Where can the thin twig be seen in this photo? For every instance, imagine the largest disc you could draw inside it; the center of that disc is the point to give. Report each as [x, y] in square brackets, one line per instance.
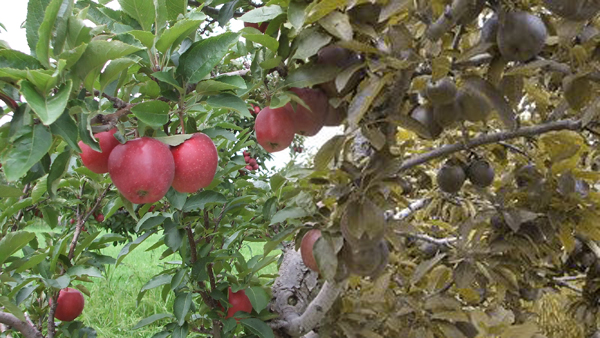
[190, 236]
[81, 222]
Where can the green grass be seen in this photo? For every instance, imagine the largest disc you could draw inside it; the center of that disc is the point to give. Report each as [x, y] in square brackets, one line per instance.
[112, 310]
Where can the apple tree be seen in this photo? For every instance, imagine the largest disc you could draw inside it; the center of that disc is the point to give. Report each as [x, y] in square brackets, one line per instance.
[464, 186]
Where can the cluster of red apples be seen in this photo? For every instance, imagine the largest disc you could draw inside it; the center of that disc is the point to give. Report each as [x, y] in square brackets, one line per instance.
[252, 164]
[275, 127]
[143, 169]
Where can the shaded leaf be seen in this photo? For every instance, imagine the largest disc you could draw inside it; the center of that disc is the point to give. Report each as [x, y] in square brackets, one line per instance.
[198, 61]
[47, 108]
[26, 151]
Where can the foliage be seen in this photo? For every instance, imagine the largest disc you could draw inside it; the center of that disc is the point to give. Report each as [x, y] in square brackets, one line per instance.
[459, 267]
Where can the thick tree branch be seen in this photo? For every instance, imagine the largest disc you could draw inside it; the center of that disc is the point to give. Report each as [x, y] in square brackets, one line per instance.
[28, 331]
[447, 20]
[489, 139]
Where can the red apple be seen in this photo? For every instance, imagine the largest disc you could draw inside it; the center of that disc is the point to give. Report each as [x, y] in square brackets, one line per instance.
[142, 169]
[249, 167]
[255, 166]
[247, 159]
[96, 161]
[262, 27]
[274, 129]
[100, 218]
[309, 122]
[69, 304]
[239, 302]
[306, 249]
[256, 109]
[252, 162]
[196, 162]
[72, 221]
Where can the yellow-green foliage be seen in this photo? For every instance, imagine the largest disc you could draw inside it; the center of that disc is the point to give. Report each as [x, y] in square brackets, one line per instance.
[553, 318]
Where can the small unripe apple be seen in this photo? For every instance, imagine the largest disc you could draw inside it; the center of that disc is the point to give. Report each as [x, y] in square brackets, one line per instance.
[142, 169]
[70, 304]
[306, 249]
[196, 161]
[98, 161]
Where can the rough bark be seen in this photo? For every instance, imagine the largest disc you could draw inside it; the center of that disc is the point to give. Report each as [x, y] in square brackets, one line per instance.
[27, 330]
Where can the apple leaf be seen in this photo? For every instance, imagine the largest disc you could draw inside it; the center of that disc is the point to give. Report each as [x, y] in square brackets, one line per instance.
[310, 75]
[8, 191]
[80, 270]
[48, 109]
[12, 308]
[154, 282]
[142, 11]
[258, 327]
[176, 34]
[132, 245]
[26, 151]
[181, 306]
[174, 8]
[329, 151]
[262, 14]
[45, 32]
[152, 113]
[338, 25]
[199, 200]
[296, 13]
[14, 59]
[58, 169]
[66, 128]
[114, 70]
[174, 140]
[13, 242]
[258, 297]
[35, 17]
[198, 61]
[368, 90]
[308, 43]
[229, 101]
[149, 320]
[98, 52]
[326, 258]
[181, 331]
[287, 213]
[264, 40]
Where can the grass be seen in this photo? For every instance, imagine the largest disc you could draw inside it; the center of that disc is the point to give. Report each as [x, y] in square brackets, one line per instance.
[112, 310]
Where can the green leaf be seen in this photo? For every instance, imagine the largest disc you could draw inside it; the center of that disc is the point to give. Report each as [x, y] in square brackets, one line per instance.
[151, 319]
[98, 52]
[326, 258]
[58, 169]
[114, 70]
[149, 221]
[501, 105]
[50, 216]
[157, 281]
[329, 151]
[198, 61]
[146, 38]
[12, 308]
[39, 190]
[130, 246]
[48, 109]
[229, 101]
[258, 297]
[14, 59]
[308, 43]
[338, 25]
[62, 18]
[85, 133]
[45, 32]
[8, 191]
[26, 151]
[143, 11]
[310, 75]
[66, 128]
[287, 213]
[258, 327]
[367, 92]
[168, 77]
[270, 63]
[175, 7]
[35, 17]
[424, 267]
[198, 201]
[174, 140]
[264, 40]
[176, 199]
[180, 331]
[181, 307]
[262, 14]
[12, 242]
[80, 270]
[174, 237]
[152, 113]
[176, 34]
[296, 13]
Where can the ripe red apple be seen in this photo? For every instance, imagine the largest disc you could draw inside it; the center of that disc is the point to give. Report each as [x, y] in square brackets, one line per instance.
[142, 169]
[255, 166]
[262, 27]
[252, 162]
[247, 159]
[309, 122]
[69, 304]
[256, 109]
[306, 249]
[96, 161]
[239, 302]
[196, 162]
[274, 129]
[249, 167]
[246, 153]
[100, 218]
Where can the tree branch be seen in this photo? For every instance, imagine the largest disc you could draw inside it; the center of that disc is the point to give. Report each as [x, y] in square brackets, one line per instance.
[28, 331]
[211, 10]
[81, 222]
[190, 236]
[447, 20]
[404, 213]
[489, 139]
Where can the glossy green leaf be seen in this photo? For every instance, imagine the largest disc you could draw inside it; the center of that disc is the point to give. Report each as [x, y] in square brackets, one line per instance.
[114, 70]
[180, 331]
[287, 213]
[199, 200]
[176, 34]
[264, 40]
[175, 7]
[198, 61]
[62, 19]
[151, 319]
[229, 101]
[181, 307]
[258, 297]
[98, 52]
[58, 169]
[14, 59]
[26, 151]
[48, 109]
[143, 11]
[154, 282]
[35, 17]
[42, 47]
[131, 246]
[152, 113]
[258, 327]
[262, 14]
[13, 242]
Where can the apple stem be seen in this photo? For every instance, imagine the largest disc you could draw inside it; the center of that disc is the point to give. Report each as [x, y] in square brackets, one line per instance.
[181, 124]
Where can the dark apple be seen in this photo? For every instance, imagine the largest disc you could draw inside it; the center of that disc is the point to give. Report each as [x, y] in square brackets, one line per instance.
[252, 162]
[262, 27]
[196, 162]
[308, 122]
[100, 218]
[306, 249]
[246, 153]
[142, 169]
[274, 129]
[239, 302]
[335, 116]
[70, 304]
[98, 161]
